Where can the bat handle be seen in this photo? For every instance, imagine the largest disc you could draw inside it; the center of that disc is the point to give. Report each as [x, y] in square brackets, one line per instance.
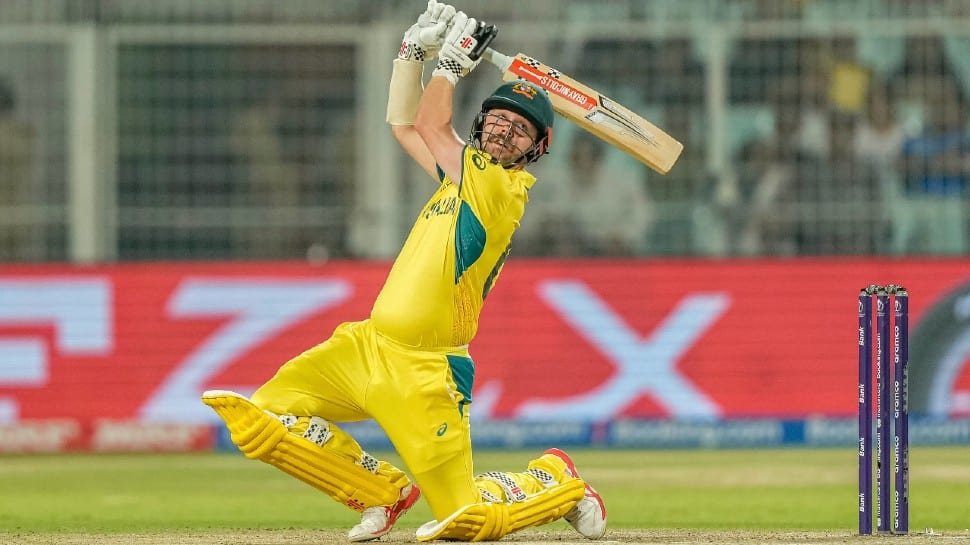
[502, 61]
[484, 34]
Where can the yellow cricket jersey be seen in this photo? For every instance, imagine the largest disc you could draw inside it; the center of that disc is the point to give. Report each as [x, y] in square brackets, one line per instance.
[453, 255]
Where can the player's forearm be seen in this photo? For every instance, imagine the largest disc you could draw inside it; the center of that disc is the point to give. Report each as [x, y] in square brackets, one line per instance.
[435, 110]
[411, 142]
[433, 123]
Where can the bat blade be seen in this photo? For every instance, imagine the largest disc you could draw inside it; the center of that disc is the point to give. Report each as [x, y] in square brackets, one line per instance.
[595, 112]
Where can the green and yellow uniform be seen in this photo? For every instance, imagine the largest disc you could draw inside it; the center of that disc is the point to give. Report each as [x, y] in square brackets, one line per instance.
[408, 365]
[408, 368]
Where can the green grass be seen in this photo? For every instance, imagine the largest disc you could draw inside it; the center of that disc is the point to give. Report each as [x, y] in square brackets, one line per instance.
[759, 489]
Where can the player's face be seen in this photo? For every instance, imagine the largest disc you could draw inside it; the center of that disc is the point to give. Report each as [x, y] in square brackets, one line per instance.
[507, 136]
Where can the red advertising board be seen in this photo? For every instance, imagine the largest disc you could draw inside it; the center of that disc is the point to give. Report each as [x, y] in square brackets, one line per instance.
[588, 340]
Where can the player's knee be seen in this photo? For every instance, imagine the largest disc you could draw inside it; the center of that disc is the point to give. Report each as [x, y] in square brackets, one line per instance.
[312, 428]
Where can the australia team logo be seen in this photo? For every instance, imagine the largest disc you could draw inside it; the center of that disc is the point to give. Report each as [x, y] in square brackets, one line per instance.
[527, 91]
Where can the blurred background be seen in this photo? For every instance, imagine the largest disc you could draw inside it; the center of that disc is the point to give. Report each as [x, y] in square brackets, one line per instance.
[147, 145]
[253, 129]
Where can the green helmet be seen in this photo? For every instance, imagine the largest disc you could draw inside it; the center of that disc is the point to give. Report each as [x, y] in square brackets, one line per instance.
[528, 100]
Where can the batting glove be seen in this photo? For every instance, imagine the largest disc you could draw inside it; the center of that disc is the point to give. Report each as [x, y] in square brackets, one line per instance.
[463, 47]
[423, 40]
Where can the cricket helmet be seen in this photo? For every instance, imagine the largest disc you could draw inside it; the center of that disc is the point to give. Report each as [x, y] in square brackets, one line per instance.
[528, 100]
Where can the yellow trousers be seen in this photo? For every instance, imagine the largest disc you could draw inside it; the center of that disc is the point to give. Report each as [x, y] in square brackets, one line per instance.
[419, 397]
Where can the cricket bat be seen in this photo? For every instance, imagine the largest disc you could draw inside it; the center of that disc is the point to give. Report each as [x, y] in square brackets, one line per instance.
[593, 111]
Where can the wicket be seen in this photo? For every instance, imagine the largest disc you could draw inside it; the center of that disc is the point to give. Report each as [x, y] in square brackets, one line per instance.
[899, 425]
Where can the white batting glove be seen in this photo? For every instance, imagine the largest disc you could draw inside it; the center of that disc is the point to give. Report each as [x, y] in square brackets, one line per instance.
[423, 40]
[457, 57]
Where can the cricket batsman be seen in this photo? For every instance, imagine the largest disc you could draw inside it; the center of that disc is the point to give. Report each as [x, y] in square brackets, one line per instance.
[408, 366]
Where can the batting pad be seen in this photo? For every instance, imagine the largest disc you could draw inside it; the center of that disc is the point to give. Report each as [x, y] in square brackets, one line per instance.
[260, 435]
[492, 521]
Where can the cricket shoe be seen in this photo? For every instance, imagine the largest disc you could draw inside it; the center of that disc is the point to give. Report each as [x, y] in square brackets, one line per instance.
[377, 521]
[588, 517]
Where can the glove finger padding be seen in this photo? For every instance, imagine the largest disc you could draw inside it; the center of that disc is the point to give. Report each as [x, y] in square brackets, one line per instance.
[430, 38]
[462, 47]
[432, 33]
[423, 39]
[442, 13]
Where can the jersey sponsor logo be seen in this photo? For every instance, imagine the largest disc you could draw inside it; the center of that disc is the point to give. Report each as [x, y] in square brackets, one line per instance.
[442, 429]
